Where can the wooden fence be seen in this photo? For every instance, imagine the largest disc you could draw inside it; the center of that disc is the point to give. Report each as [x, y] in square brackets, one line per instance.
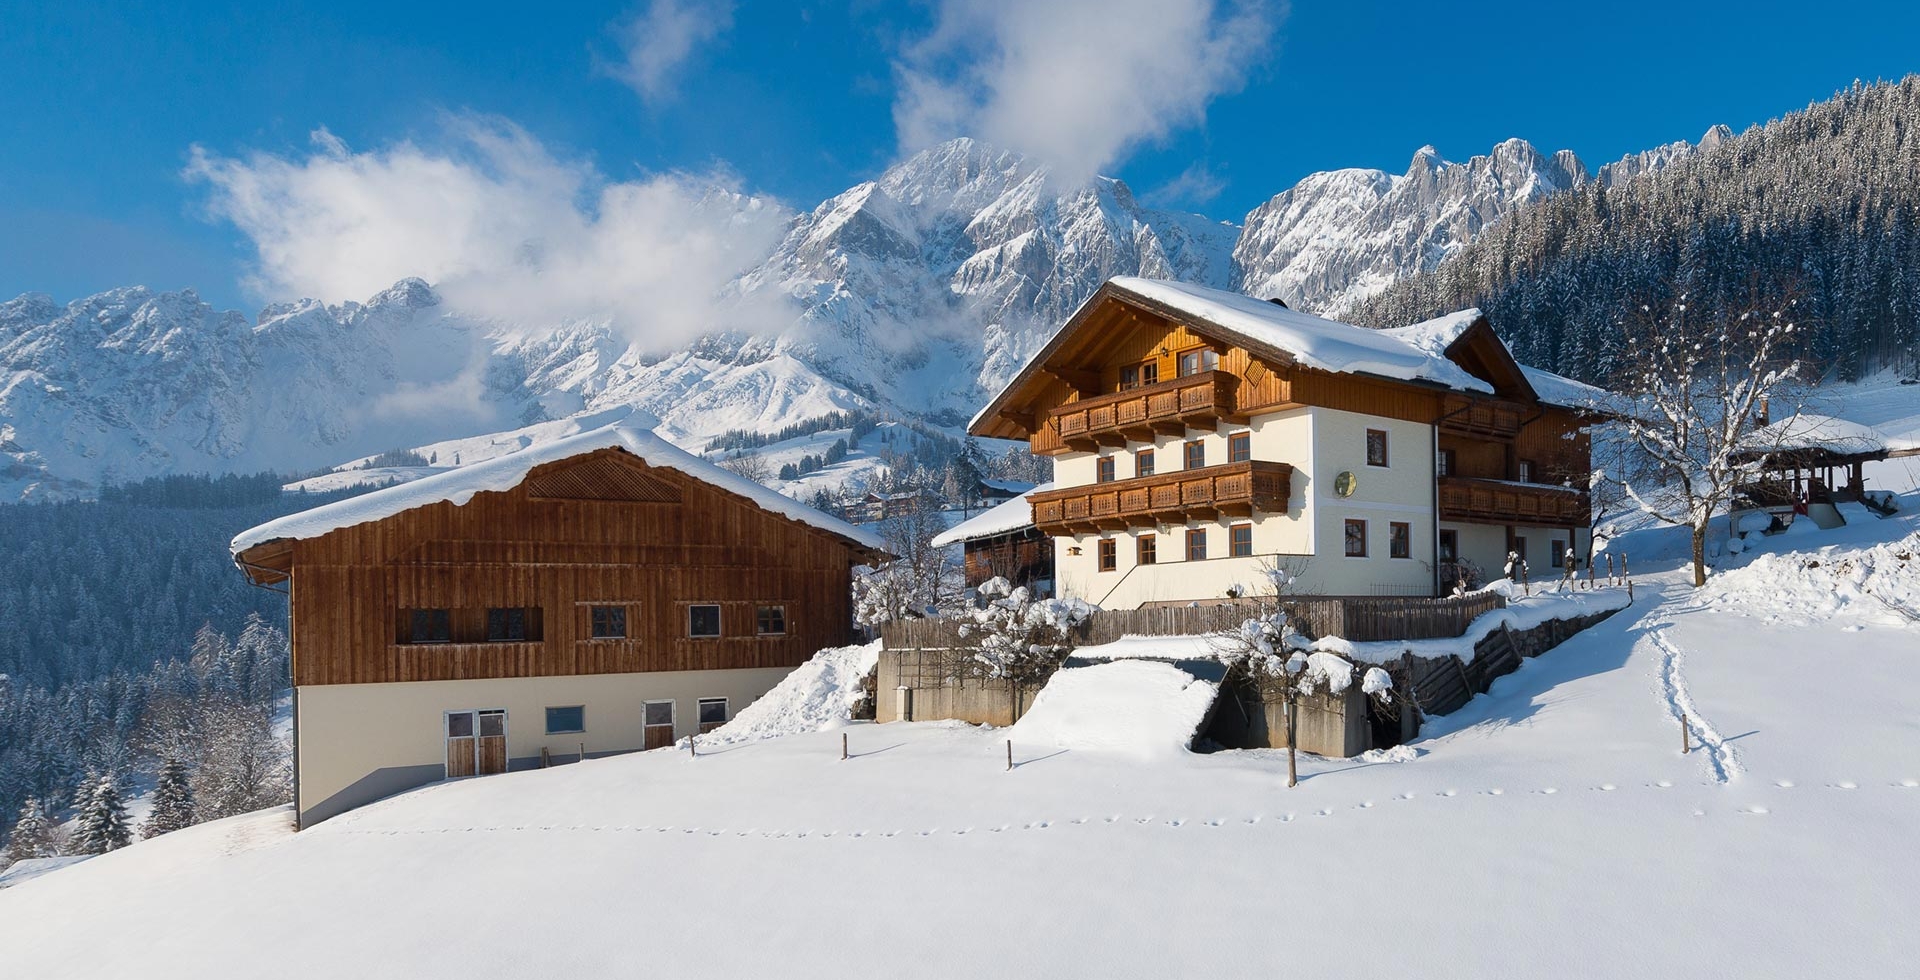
[1358, 619]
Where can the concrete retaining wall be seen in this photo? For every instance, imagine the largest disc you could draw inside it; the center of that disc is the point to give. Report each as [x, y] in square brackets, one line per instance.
[914, 685]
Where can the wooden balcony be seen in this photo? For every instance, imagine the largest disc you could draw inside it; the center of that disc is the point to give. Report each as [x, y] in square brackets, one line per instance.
[1199, 401]
[1503, 502]
[1234, 489]
[1481, 417]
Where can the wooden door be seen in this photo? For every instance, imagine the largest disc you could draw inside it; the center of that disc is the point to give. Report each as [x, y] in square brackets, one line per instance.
[659, 724]
[493, 743]
[461, 744]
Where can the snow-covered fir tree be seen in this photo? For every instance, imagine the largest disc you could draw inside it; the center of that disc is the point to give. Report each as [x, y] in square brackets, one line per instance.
[172, 801]
[33, 835]
[101, 824]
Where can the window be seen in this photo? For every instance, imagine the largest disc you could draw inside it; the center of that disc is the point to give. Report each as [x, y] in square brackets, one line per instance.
[609, 622]
[658, 729]
[430, 626]
[1559, 556]
[1399, 540]
[1240, 540]
[1239, 447]
[713, 714]
[506, 625]
[561, 721]
[1197, 544]
[1356, 539]
[1103, 469]
[1109, 555]
[1526, 471]
[1145, 549]
[659, 713]
[1443, 462]
[1135, 375]
[1376, 447]
[1196, 361]
[1449, 546]
[1196, 455]
[1143, 463]
[770, 620]
[703, 621]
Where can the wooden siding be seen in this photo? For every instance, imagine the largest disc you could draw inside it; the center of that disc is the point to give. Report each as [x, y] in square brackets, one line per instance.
[1021, 557]
[563, 556]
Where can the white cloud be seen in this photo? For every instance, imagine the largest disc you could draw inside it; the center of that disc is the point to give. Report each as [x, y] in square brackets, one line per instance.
[1196, 186]
[1076, 83]
[657, 41]
[502, 228]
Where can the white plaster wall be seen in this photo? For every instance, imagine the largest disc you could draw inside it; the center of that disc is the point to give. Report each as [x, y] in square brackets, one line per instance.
[1400, 491]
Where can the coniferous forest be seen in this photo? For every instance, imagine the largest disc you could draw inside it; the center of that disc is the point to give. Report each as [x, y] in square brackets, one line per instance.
[1821, 206]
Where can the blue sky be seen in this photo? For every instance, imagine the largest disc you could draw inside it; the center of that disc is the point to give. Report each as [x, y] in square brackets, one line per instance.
[101, 104]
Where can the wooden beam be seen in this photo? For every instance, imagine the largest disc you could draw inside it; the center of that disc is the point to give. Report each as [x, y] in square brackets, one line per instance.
[1083, 380]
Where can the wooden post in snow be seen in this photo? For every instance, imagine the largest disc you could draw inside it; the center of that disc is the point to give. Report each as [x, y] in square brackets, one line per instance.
[843, 747]
[1686, 737]
[1009, 755]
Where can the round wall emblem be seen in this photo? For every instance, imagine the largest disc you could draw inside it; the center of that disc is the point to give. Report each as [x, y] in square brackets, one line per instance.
[1345, 483]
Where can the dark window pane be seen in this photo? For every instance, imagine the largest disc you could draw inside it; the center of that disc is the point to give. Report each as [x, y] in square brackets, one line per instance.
[432, 626]
[1400, 540]
[460, 724]
[659, 713]
[703, 621]
[1239, 447]
[572, 719]
[713, 710]
[1150, 373]
[493, 723]
[1143, 463]
[506, 625]
[1197, 545]
[1103, 469]
[1376, 447]
[1146, 549]
[609, 622]
[1109, 555]
[1357, 539]
[1196, 455]
[772, 620]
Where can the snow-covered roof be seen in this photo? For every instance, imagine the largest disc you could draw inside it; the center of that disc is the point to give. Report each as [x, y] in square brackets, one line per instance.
[502, 473]
[1315, 342]
[1012, 515]
[1007, 486]
[1434, 336]
[1564, 392]
[1810, 431]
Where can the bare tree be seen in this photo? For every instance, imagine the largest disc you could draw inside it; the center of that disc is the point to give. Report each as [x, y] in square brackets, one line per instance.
[917, 581]
[1692, 383]
[750, 466]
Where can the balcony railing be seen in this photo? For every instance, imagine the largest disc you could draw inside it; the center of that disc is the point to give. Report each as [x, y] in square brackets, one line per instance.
[1199, 401]
[1502, 502]
[1481, 417]
[1202, 494]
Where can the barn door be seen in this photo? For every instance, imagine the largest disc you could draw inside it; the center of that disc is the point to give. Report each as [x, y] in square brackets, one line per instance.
[659, 728]
[462, 745]
[476, 743]
[493, 742]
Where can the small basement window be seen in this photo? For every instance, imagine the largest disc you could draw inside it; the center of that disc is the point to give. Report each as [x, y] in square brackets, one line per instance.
[609, 622]
[567, 720]
[770, 620]
[713, 714]
[430, 626]
[703, 621]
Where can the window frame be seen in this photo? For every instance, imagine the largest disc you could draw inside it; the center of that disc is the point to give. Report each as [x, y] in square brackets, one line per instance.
[1239, 447]
[1444, 463]
[1146, 550]
[1523, 470]
[566, 707]
[719, 624]
[1143, 462]
[1519, 546]
[1449, 545]
[1400, 539]
[1559, 552]
[504, 618]
[1347, 539]
[700, 713]
[1189, 450]
[1197, 535]
[1385, 456]
[1129, 377]
[1234, 534]
[760, 616]
[444, 619]
[1103, 470]
[1107, 555]
[1205, 359]
[612, 611]
[673, 714]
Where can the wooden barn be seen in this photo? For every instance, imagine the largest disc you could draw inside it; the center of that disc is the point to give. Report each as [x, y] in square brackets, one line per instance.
[603, 593]
[1002, 542]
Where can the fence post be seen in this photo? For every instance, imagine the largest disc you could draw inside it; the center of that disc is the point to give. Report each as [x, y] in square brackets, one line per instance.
[1686, 737]
[843, 746]
[1009, 755]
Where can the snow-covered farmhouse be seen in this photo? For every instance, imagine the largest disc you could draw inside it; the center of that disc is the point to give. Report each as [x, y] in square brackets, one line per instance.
[1002, 541]
[1199, 434]
[602, 593]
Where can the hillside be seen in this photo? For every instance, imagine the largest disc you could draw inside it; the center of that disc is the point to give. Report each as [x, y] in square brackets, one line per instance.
[1820, 206]
[1574, 832]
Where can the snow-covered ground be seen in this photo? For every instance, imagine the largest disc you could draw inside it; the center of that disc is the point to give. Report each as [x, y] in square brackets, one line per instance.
[1551, 827]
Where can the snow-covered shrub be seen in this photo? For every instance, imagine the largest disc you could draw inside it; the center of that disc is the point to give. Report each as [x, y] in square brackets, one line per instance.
[1019, 638]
